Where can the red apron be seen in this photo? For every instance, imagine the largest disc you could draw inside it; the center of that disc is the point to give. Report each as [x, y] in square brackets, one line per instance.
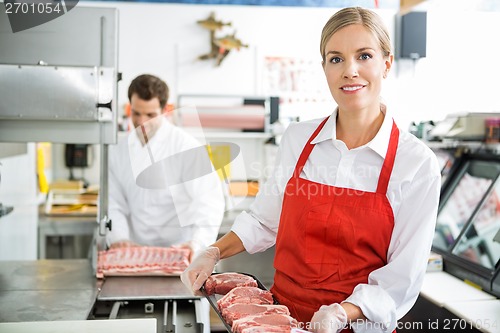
[330, 238]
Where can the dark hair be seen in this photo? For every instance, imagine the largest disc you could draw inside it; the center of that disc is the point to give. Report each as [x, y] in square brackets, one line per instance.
[148, 87]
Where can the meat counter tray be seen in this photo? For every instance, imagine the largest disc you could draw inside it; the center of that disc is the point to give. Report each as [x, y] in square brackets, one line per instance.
[119, 288]
[212, 299]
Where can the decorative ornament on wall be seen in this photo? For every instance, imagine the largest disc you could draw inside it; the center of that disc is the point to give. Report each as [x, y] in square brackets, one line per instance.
[219, 46]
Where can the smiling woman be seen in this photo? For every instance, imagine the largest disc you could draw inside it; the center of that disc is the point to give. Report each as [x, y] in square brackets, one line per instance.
[351, 249]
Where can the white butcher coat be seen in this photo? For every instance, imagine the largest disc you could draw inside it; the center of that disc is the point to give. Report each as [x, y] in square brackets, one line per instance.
[190, 211]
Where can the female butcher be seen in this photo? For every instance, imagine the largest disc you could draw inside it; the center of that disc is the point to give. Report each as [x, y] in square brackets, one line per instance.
[352, 202]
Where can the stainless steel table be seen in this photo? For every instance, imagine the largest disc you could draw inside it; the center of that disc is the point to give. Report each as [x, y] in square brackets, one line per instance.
[46, 290]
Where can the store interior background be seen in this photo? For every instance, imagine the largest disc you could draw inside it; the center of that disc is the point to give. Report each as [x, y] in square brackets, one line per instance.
[460, 73]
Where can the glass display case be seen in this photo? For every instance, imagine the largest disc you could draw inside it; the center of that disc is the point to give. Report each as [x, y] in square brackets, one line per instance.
[478, 243]
[446, 161]
[468, 224]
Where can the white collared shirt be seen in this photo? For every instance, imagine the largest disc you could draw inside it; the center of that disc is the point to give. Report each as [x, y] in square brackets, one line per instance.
[413, 193]
[171, 215]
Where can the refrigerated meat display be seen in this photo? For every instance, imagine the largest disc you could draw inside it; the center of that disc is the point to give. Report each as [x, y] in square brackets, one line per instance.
[468, 223]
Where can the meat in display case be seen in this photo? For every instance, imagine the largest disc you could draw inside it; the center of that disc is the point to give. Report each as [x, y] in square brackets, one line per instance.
[468, 224]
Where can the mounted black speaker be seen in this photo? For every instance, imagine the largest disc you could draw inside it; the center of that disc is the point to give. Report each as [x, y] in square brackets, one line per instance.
[411, 35]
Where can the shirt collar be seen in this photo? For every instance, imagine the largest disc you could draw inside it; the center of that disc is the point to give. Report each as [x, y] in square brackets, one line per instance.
[159, 136]
[378, 144]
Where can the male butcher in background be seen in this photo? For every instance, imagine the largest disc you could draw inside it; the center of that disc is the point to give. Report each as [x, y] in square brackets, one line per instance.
[187, 214]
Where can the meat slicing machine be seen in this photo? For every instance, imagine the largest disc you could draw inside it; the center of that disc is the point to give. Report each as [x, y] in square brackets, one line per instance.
[162, 297]
[65, 93]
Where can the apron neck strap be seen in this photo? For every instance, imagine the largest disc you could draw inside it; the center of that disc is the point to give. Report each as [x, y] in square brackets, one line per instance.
[390, 156]
[307, 150]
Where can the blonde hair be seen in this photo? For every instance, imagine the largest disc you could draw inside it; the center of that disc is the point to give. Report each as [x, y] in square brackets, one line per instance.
[356, 15]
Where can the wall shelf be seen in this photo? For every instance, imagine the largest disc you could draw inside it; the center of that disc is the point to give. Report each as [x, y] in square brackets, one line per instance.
[229, 135]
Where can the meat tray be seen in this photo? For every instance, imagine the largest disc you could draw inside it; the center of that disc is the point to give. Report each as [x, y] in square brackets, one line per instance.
[212, 299]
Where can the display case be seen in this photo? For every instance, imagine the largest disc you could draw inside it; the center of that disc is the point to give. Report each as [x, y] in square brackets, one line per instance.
[468, 223]
[446, 160]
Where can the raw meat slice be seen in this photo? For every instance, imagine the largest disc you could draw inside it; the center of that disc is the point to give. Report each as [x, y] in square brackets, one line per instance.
[279, 321]
[224, 282]
[248, 295]
[237, 311]
[142, 260]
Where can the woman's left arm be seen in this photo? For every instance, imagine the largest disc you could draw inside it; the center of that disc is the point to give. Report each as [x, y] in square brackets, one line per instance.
[393, 289]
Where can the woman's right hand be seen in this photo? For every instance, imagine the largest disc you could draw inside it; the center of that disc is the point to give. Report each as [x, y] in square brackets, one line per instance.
[200, 269]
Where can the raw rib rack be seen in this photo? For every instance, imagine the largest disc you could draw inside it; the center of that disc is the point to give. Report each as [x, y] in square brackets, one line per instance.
[142, 260]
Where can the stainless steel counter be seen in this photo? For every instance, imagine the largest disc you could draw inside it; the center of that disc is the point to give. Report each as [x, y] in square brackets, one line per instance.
[46, 290]
[143, 325]
[66, 293]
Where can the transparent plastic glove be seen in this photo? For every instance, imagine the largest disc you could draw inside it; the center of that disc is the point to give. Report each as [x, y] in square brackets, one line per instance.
[200, 269]
[329, 319]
